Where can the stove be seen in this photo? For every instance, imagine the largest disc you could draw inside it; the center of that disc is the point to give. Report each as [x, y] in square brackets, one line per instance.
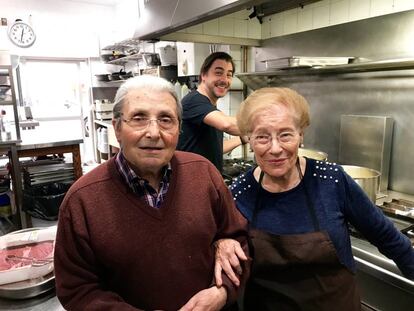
[234, 167]
[400, 212]
[382, 285]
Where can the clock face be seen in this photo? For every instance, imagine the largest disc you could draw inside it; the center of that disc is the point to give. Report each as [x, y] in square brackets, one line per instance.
[22, 34]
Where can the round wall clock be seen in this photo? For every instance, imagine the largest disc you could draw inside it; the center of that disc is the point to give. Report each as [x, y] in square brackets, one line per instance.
[22, 34]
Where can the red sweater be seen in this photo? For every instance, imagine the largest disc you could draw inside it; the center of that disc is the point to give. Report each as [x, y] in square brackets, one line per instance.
[115, 252]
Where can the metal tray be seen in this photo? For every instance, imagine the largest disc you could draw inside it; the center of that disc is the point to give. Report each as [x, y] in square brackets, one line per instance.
[28, 288]
[301, 62]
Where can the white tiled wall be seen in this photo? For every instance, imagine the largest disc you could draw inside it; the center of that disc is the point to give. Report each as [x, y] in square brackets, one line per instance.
[315, 15]
[233, 25]
[327, 13]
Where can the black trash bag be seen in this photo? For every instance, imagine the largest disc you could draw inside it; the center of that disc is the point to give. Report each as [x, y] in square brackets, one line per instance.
[44, 201]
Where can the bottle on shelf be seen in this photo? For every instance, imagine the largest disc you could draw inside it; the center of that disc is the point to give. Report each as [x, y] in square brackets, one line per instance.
[177, 88]
[5, 127]
[184, 90]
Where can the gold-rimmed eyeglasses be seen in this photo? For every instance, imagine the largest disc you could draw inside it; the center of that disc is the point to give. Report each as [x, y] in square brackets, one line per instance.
[283, 138]
[139, 123]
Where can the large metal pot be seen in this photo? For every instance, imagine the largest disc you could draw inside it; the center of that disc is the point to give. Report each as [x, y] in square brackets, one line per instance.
[367, 178]
[313, 154]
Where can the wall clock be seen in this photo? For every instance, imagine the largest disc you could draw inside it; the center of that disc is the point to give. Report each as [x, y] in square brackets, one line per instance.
[22, 34]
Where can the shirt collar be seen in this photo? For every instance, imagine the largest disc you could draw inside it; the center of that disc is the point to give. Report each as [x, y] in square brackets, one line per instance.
[129, 175]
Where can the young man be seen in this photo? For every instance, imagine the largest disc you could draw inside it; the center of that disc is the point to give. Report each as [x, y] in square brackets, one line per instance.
[138, 232]
[203, 124]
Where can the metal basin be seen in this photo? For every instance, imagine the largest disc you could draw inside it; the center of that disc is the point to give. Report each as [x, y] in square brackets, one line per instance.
[313, 154]
[367, 178]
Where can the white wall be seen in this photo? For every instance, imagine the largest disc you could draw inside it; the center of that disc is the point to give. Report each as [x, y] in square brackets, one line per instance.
[328, 13]
[63, 28]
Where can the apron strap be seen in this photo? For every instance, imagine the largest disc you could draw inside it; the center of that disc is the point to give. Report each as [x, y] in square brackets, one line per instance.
[309, 202]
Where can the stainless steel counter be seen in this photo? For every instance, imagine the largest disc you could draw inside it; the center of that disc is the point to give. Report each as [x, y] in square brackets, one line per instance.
[45, 302]
[382, 285]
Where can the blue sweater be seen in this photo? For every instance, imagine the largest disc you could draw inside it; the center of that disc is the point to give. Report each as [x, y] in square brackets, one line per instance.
[338, 200]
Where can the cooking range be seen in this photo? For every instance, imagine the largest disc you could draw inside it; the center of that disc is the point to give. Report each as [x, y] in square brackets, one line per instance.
[234, 167]
[381, 283]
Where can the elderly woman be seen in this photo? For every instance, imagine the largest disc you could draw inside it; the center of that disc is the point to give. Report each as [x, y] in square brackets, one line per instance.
[299, 210]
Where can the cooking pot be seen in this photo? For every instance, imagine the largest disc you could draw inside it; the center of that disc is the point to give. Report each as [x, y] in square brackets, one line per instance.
[313, 154]
[367, 178]
[102, 77]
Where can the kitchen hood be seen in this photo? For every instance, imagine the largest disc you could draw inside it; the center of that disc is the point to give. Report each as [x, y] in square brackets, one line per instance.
[162, 17]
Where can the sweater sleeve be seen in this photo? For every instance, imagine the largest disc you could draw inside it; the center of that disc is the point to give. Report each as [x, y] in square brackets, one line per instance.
[78, 283]
[377, 228]
[231, 224]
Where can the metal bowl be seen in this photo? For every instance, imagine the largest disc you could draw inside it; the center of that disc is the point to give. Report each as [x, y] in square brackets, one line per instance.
[367, 178]
[313, 154]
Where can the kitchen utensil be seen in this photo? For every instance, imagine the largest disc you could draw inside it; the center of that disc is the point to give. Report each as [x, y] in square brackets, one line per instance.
[102, 77]
[367, 178]
[110, 57]
[4, 88]
[313, 154]
[117, 75]
[151, 59]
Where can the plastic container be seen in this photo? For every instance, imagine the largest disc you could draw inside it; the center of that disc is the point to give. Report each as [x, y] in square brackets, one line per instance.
[184, 90]
[44, 201]
[177, 88]
[5, 127]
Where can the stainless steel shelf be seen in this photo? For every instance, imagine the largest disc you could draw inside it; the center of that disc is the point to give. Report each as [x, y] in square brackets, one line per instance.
[6, 103]
[267, 78]
[126, 59]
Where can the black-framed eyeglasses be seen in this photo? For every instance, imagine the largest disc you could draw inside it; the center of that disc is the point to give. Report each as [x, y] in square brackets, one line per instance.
[140, 123]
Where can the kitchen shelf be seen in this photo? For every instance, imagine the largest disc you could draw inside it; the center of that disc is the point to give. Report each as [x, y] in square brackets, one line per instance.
[7, 71]
[265, 78]
[123, 60]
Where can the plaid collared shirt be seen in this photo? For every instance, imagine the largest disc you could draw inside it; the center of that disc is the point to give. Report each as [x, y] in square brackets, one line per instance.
[141, 186]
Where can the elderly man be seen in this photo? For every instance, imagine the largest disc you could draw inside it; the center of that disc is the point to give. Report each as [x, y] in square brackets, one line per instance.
[138, 232]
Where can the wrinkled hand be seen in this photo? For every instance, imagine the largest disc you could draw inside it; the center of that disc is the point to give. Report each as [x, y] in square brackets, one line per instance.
[210, 299]
[228, 256]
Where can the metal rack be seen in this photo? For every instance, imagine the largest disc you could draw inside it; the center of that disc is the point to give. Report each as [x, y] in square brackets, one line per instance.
[257, 80]
[10, 100]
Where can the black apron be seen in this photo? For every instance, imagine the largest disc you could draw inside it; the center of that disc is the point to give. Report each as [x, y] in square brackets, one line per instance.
[298, 271]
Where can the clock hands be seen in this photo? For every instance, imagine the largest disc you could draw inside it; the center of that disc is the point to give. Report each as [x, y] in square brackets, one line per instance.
[21, 37]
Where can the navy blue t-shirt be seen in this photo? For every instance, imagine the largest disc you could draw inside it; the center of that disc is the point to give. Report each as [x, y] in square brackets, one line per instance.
[196, 136]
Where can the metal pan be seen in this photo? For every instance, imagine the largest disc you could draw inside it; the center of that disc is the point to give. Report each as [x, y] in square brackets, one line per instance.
[367, 178]
[313, 154]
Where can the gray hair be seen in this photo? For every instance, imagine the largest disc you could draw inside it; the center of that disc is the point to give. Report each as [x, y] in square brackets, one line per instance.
[145, 82]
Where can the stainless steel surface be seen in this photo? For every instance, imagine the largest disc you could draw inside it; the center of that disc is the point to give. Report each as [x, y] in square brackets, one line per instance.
[313, 154]
[28, 288]
[44, 302]
[366, 141]
[381, 283]
[260, 79]
[381, 93]
[367, 178]
[45, 143]
[305, 61]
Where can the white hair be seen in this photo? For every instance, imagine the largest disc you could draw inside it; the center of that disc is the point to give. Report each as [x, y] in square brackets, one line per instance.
[146, 82]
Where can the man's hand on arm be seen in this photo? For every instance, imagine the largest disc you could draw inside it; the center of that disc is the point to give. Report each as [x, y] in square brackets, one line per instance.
[228, 255]
[210, 299]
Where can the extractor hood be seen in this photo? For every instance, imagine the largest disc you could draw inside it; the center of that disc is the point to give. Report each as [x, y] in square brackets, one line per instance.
[161, 17]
